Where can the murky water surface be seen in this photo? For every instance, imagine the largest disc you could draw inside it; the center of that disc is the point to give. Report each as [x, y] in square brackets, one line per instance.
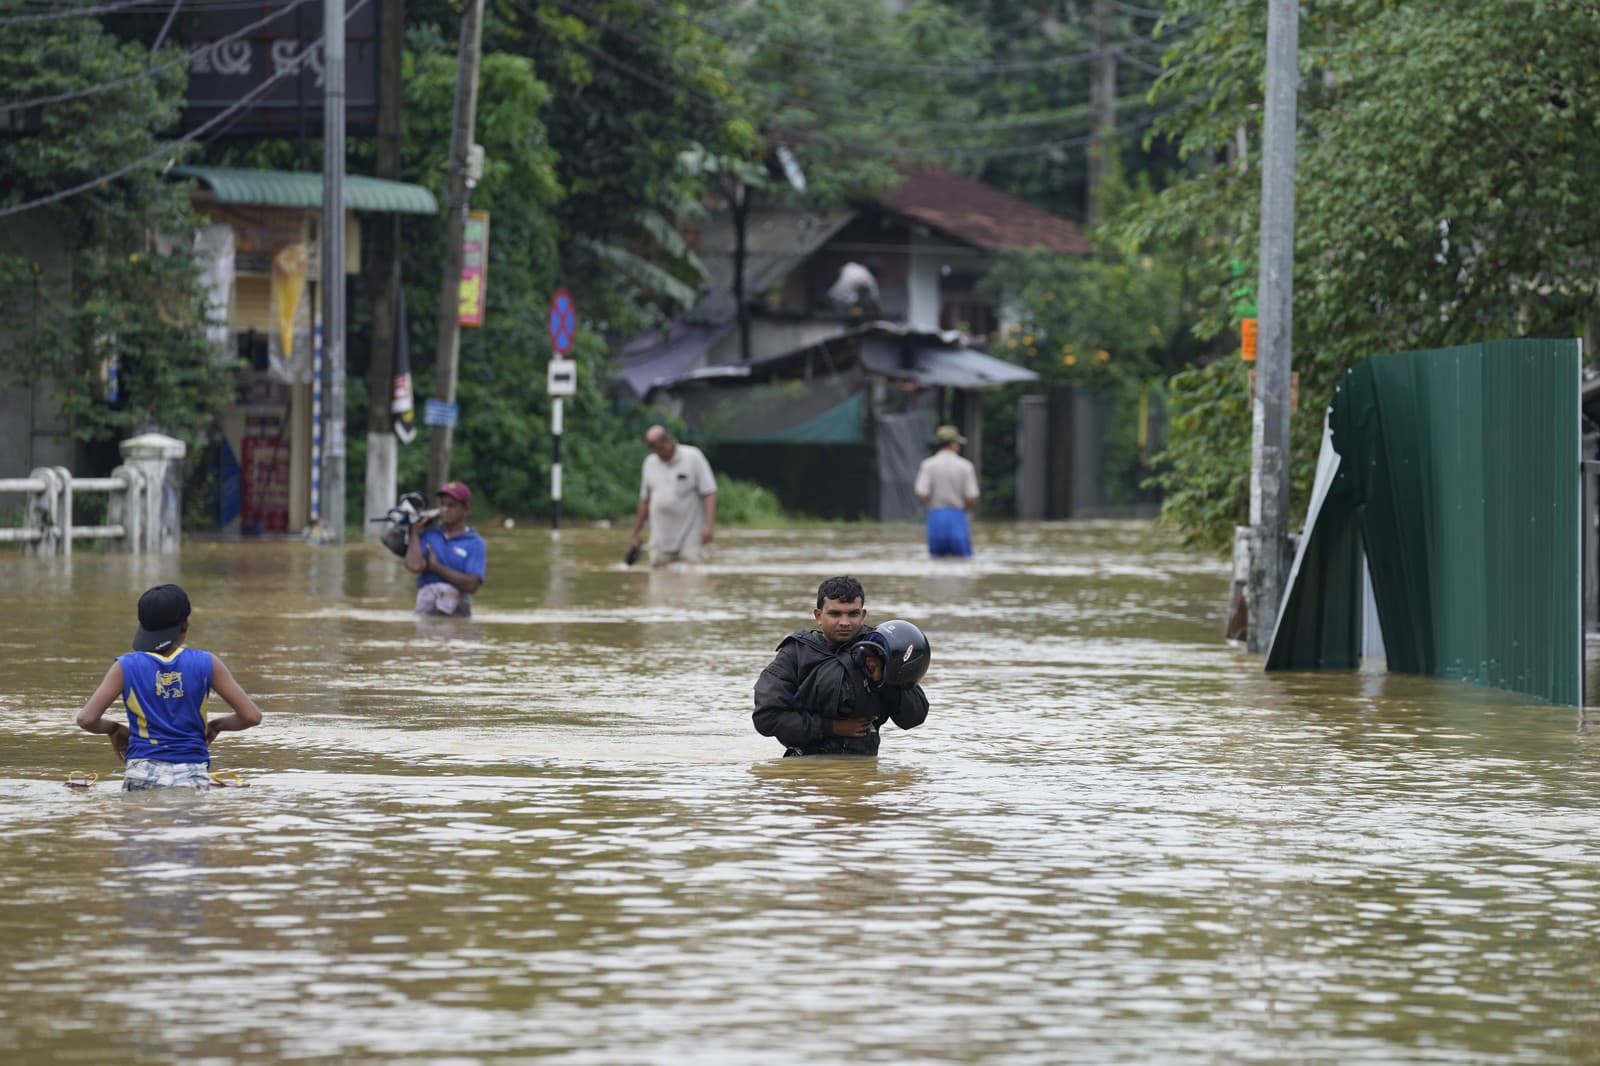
[551, 833]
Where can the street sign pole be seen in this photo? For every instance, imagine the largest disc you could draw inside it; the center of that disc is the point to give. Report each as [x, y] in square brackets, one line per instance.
[555, 466]
[562, 380]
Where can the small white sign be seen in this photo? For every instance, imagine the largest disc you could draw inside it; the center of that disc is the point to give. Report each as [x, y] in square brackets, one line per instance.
[563, 379]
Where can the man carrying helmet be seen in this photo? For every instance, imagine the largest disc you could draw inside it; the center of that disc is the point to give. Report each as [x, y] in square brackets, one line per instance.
[827, 691]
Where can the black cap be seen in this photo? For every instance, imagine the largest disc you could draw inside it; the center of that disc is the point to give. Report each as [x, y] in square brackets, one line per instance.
[162, 612]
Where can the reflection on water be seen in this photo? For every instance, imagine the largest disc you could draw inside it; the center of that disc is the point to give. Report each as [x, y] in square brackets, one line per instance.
[550, 831]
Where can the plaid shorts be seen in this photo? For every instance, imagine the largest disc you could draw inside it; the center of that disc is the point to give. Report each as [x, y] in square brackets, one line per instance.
[143, 774]
[441, 597]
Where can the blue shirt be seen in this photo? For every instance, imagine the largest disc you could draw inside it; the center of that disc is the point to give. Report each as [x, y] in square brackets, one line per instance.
[165, 697]
[464, 552]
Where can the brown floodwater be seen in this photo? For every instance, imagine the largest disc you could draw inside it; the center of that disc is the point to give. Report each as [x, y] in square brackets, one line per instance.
[551, 833]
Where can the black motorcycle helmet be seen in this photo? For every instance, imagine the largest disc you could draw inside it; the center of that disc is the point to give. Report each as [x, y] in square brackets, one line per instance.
[906, 652]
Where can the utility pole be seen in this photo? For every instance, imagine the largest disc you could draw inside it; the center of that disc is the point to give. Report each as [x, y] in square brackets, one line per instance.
[1269, 452]
[333, 317]
[1103, 107]
[382, 448]
[461, 135]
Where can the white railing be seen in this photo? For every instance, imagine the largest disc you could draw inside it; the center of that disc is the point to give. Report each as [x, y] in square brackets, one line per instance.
[48, 527]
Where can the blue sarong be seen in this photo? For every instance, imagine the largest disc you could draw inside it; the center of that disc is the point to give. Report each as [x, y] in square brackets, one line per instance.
[948, 533]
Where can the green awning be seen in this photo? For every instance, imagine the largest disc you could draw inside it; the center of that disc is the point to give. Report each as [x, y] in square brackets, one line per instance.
[283, 188]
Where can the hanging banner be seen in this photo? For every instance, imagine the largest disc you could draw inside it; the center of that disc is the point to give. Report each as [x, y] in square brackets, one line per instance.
[474, 268]
[402, 403]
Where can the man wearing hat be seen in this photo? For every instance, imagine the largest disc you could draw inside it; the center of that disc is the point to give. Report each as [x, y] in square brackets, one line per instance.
[446, 554]
[947, 484]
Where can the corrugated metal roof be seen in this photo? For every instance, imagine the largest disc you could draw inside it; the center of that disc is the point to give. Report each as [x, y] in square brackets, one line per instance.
[933, 365]
[283, 188]
[980, 214]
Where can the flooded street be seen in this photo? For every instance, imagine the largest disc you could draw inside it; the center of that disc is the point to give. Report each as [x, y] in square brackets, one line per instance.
[550, 832]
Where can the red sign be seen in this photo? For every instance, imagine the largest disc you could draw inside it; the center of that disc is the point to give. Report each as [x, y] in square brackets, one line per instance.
[264, 472]
[473, 293]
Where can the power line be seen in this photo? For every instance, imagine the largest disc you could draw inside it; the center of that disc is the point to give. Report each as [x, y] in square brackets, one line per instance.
[148, 72]
[965, 151]
[991, 151]
[778, 98]
[1140, 12]
[869, 62]
[168, 148]
[60, 14]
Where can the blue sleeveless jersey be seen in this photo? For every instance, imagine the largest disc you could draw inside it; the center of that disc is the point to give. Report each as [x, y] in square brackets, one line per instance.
[165, 697]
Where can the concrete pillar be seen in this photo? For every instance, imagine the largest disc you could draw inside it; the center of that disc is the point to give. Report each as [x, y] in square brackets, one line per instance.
[160, 459]
[126, 508]
[383, 453]
[44, 513]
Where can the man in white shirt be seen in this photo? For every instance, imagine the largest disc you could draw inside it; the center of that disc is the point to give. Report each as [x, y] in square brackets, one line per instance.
[947, 485]
[678, 497]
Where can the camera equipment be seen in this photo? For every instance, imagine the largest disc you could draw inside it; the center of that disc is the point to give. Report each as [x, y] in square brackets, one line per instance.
[400, 518]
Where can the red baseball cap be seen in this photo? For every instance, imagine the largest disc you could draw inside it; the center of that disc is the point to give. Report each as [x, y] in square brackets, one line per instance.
[456, 490]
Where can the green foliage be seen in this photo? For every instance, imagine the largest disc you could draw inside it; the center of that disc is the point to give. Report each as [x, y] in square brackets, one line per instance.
[1095, 320]
[745, 503]
[847, 84]
[1445, 158]
[99, 291]
[1207, 478]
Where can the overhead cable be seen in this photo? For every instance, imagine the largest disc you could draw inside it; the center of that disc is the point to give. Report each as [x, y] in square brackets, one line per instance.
[167, 148]
[148, 72]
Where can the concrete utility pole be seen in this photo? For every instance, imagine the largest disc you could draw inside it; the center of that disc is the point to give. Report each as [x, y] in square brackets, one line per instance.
[382, 448]
[461, 135]
[1103, 106]
[333, 317]
[1269, 452]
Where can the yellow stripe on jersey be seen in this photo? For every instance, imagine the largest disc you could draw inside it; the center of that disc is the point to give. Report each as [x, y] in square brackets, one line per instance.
[136, 713]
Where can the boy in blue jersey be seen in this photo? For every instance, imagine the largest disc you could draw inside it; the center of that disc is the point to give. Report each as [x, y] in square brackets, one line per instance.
[164, 686]
[447, 555]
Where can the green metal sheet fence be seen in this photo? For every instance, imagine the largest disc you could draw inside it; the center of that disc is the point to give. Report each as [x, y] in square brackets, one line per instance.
[1461, 470]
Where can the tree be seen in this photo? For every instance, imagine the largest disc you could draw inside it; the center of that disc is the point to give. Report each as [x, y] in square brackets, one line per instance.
[113, 315]
[1445, 156]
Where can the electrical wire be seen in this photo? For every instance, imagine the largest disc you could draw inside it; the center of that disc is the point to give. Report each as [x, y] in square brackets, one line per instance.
[992, 152]
[168, 148]
[868, 62]
[963, 151]
[148, 72]
[1140, 12]
[774, 99]
[60, 14]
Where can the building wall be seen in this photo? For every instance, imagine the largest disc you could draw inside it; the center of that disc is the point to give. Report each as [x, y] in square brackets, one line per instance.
[922, 285]
[33, 431]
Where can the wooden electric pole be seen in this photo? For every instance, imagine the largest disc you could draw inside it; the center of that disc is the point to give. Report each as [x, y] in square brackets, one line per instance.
[382, 448]
[461, 136]
[1269, 451]
[1103, 108]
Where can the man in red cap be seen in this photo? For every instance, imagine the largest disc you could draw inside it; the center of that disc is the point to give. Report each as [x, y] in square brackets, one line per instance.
[447, 555]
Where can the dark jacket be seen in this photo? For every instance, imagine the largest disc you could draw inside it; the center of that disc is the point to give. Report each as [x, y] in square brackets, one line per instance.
[810, 682]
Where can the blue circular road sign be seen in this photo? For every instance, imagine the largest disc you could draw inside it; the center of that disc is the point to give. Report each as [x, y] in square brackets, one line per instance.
[563, 321]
